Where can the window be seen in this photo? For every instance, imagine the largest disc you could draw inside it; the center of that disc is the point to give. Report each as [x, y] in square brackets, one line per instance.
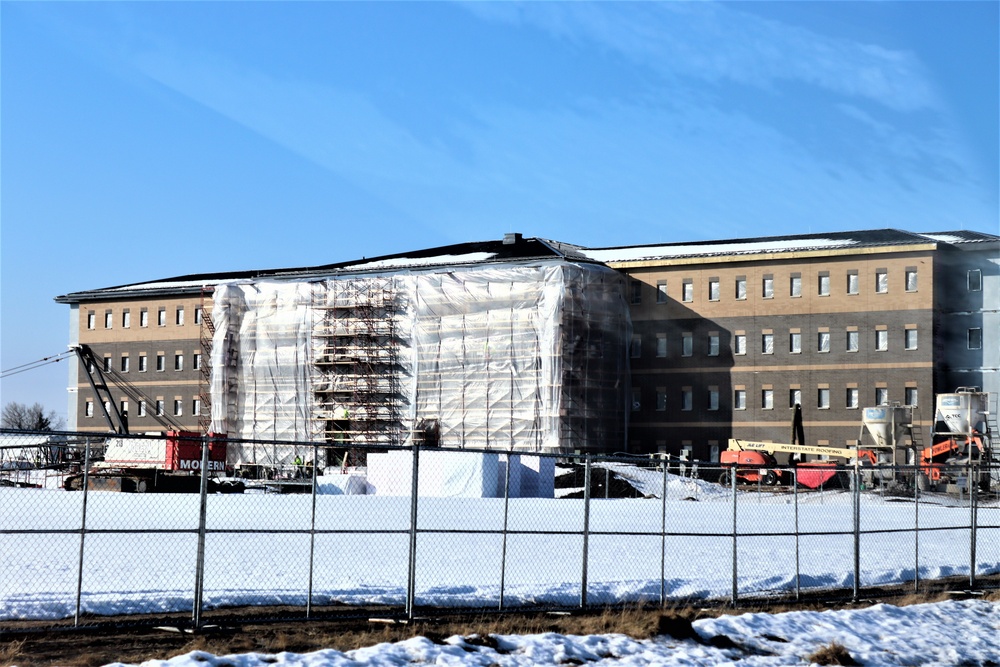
[910, 339]
[687, 344]
[713, 344]
[661, 345]
[178, 407]
[197, 314]
[852, 282]
[123, 408]
[767, 344]
[661, 399]
[688, 291]
[911, 279]
[740, 399]
[852, 398]
[88, 409]
[741, 288]
[161, 317]
[713, 289]
[795, 343]
[178, 362]
[881, 281]
[661, 291]
[142, 408]
[740, 344]
[179, 316]
[107, 364]
[635, 350]
[161, 362]
[713, 398]
[196, 407]
[636, 399]
[794, 397]
[767, 399]
[159, 407]
[143, 318]
[124, 365]
[881, 340]
[635, 292]
[824, 283]
[687, 399]
[881, 396]
[126, 318]
[910, 396]
[767, 287]
[795, 286]
[823, 399]
[142, 363]
[975, 339]
[109, 320]
[975, 280]
[196, 361]
[107, 407]
[853, 341]
[823, 341]
[91, 320]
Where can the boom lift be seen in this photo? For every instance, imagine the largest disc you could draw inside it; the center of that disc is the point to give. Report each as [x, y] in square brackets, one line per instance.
[753, 461]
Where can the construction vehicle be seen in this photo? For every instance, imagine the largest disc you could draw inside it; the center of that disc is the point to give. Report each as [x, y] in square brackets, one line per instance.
[961, 443]
[753, 462]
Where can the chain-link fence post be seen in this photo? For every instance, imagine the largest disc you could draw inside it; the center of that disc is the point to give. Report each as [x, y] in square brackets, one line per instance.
[795, 501]
[586, 530]
[506, 515]
[916, 530]
[973, 521]
[83, 532]
[312, 532]
[663, 539]
[856, 502]
[411, 581]
[199, 577]
[732, 488]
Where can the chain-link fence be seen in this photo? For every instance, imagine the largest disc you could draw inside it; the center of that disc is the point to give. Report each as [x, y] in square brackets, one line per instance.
[92, 534]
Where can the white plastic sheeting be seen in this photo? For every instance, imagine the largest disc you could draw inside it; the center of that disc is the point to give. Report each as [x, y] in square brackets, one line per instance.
[510, 356]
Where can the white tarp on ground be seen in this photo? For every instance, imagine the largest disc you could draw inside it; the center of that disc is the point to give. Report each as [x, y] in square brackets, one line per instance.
[442, 474]
[342, 484]
[529, 357]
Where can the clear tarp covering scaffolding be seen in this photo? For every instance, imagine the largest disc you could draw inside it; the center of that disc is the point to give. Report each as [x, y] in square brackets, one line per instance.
[522, 356]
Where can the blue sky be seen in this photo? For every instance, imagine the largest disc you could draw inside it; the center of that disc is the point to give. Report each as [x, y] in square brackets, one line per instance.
[147, 140]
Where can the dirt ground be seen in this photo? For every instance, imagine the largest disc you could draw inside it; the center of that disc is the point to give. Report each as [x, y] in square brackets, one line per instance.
[134, 639]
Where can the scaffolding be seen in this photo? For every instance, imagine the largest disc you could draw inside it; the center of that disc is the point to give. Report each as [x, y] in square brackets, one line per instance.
[206, 333]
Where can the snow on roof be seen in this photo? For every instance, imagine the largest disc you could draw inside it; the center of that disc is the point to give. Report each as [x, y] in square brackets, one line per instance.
[771, 245]
[165, 284]
[402, 262]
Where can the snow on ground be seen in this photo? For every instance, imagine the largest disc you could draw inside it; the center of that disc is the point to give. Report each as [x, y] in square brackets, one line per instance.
[941, 634]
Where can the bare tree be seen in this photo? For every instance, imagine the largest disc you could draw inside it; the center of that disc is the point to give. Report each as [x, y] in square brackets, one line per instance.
[29, 418]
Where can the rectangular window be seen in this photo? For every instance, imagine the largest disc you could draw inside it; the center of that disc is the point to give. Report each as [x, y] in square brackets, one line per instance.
[161, 317]
[910, 395]
[714, 292]
[911, 279]
[794, 397]
[767, 399]
[635, 292]
[823, 399]
[109, 320]
[713, 398]
[881, 340]
[881, 396]
[853, 341]
[910, 339]
[123, 408]
[713, 344]
[767, 344]
[159, 408]
[178, 407]
[88, 409]
[197, 314]
[661, 399]
[635, 350]
[661, 291]
[636, 399]
[142, 409]
[688, 291]
[881, 281]
[91, 320]
[142, 363]
[107, 364]
[975, 339]
[823, 341]
[740, 344]
[124, 365]
[661, 345]
[795, 285]
[853, 400]
[852, 282]
[687, 399]
[767, 287]
[196, 361]
[196, 407]
[741, 288]
[687, 345]
[126, 318]
[179, 317]
[795, 343]
[143, 318]
[824, 283]
[740, 399]
[178, 362]
[975, 280]
[161, 362]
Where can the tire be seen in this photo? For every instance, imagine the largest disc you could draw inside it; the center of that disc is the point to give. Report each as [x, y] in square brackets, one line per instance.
[141, 486]
[770, 478]
[726, 478]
